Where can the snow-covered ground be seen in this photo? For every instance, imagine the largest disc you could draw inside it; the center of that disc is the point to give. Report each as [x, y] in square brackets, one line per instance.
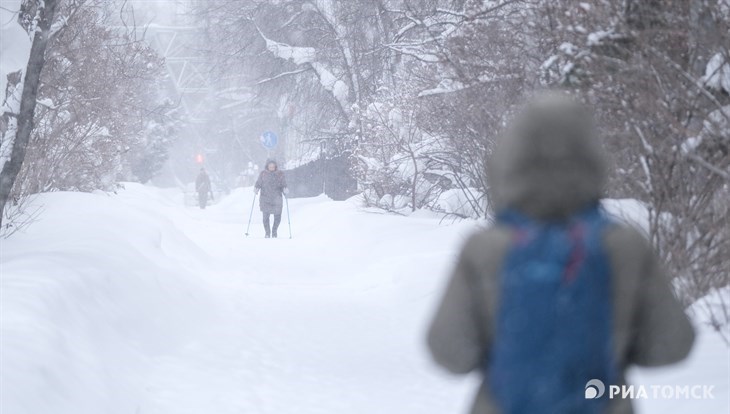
[134, 304]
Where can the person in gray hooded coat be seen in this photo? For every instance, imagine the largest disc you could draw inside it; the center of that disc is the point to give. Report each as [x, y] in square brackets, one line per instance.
[272, 184]
[549, 166]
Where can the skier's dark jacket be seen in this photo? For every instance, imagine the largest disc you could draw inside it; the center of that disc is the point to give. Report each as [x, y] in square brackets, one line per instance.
[272, 185]
[202, 183]
[550, 166]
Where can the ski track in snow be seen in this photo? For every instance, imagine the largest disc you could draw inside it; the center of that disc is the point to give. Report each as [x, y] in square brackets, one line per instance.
[312, 324]
[207, 320]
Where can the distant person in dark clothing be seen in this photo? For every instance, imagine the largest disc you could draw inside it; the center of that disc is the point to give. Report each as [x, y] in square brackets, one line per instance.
[272, 184]
[555, 301]
[204, 188]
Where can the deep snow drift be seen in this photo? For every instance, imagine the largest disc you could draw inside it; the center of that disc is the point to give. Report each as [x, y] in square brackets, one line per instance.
[133, 303]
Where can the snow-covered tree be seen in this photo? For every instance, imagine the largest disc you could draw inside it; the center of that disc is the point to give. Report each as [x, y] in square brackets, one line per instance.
[37, 19]
[147, 156]
[100, 116]
[100, 98]
[656, 72]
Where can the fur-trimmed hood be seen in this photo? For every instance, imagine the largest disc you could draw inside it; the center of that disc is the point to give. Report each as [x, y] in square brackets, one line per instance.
[271, 161]
[550, 162]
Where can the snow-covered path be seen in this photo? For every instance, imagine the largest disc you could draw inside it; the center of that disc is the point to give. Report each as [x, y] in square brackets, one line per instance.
[326, 322]
[135, 304]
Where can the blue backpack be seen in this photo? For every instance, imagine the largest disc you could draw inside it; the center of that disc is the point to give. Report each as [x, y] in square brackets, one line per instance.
[554, 323]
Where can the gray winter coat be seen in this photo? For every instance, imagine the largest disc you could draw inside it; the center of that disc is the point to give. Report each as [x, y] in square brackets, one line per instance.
[549, 165]
[272, 185]
[202, 184]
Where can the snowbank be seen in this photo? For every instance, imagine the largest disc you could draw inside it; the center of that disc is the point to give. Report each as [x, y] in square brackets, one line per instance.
[90, 293]
[463, 203]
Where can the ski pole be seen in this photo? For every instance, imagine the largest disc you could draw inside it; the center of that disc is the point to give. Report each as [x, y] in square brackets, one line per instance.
[288, 214]
[253, 203]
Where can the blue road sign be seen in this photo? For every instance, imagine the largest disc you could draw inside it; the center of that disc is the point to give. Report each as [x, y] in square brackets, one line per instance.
[269, 140]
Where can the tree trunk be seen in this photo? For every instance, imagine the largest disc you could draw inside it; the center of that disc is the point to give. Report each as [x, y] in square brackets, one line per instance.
[11, 168]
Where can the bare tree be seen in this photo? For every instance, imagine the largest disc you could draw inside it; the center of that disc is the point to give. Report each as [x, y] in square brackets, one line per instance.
[102, 108]
[100, 117]
[396, 163]
[40, 27]
[655, 73]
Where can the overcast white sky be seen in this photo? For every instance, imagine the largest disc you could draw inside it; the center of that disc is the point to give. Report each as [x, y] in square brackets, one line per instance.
[162, 11]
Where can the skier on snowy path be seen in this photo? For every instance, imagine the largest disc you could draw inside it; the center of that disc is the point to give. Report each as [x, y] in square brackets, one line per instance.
[203, 187]
[272, 184]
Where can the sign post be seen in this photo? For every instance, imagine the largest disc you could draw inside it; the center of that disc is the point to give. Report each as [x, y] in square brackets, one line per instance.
[269, 140]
